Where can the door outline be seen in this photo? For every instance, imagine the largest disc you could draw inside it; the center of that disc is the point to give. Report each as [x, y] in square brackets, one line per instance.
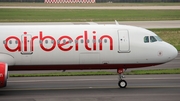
[123, 39]
[29, 44]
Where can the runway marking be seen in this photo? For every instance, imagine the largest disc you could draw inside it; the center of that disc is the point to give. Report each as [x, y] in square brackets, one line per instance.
[80, 88]
[111, 79]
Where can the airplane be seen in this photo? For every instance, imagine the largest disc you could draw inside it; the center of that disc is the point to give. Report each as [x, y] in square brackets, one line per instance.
[80, 47]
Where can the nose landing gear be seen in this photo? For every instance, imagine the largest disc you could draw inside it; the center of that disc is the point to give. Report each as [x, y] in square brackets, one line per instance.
[122, 83]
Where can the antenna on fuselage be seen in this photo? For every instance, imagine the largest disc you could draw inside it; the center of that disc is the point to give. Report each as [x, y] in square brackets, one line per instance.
[116, 22]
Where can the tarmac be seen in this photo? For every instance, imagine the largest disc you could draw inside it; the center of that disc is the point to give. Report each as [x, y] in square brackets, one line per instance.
[92, 88]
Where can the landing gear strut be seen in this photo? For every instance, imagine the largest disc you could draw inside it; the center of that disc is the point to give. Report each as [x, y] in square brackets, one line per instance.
[122, 83]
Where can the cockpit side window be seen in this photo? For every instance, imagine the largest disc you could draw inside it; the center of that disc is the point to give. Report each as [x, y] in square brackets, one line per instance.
[146, 39]
[158, 38]
[153, 39]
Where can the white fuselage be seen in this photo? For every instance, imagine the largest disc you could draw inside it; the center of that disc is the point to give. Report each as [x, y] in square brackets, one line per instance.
[61, 45]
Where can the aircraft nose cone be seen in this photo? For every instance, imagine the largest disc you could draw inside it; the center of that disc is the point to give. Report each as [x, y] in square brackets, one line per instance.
[173, 53]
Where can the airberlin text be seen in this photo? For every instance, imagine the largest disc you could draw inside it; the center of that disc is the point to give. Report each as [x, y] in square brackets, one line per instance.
[64, 46]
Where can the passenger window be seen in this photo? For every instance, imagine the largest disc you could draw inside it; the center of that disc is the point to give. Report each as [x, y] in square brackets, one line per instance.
[4, 42]
[52, 41]
[94, 41]
[64, 41]
[82, 41]
[70, 41]
[58, 41]
[153, 39]
[16, 42]
[87, 40]
[146, 39]
[105, 40]
[40, 41]
[10, 42]
[46, 41]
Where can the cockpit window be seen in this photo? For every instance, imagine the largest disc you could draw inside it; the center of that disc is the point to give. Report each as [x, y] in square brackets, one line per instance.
[153, 39]
[158, 38]
[146, 39]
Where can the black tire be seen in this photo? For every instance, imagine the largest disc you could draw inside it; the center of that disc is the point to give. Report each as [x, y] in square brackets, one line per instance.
[122, 84]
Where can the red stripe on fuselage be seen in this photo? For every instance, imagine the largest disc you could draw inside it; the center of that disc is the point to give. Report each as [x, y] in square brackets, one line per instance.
[79, 67]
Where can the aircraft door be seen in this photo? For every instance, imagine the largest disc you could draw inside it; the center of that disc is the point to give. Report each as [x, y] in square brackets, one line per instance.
[26, 47]
[123, 41]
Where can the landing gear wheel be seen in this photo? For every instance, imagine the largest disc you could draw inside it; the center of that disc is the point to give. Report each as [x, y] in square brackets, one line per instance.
[122, 84]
